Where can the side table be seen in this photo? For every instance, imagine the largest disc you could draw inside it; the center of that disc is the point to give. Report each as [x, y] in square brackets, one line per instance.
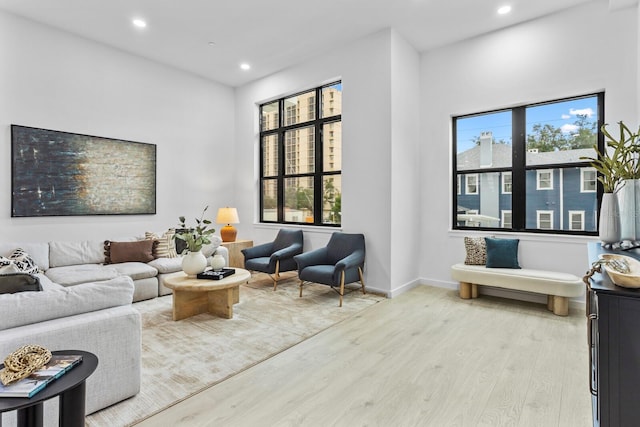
[70, 388]
[236, 259]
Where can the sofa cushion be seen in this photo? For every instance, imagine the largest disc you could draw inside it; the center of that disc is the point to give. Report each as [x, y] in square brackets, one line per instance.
[167, 265]
[75, 253]
[138, 251]
[135, 270]
[76, 274]
[25, 308]
[476, 249]
[19, 282]
[39, 252]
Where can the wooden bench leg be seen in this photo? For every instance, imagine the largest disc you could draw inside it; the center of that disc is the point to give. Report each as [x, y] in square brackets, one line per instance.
[466, 290]
[558, 305]
[474, 290]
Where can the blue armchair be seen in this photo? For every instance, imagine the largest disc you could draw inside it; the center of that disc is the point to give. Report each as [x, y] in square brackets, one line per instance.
[339, 263]
[275, 257]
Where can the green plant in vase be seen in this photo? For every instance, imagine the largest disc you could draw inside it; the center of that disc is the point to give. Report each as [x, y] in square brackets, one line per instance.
[195, 237]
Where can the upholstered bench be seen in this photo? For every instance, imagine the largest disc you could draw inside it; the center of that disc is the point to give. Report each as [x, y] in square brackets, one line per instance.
[558, 287]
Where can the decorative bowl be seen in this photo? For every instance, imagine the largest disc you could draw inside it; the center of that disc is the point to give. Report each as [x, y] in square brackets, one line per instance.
[612, 265]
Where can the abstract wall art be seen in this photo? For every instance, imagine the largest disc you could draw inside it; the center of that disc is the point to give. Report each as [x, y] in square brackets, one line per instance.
[60, 174]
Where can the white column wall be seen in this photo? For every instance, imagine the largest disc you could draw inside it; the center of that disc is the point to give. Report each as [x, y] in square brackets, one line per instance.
[579, 51]
[54, 80]
[405, 165]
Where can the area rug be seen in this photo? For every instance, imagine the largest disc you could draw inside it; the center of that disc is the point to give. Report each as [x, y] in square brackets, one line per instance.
[182, 358]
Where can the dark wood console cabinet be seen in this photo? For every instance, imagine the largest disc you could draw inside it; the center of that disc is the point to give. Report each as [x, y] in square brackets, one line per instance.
[613, 315]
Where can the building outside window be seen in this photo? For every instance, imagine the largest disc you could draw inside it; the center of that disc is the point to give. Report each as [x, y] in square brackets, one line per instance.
[576, 219]
[588, 180]
[544, 180]
[471, 184]
[528, 160]
[506, 219]
[301, 158]
[506, 182]
[545, 220]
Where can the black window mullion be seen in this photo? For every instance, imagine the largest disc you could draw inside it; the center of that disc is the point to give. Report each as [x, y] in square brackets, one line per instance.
[318, 161]
[281, 153]
[518, 176]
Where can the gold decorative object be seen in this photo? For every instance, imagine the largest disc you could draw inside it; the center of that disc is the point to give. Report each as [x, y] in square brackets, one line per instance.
[23, 362]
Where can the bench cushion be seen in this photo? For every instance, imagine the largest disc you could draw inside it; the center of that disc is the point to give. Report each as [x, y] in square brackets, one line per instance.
[539, 281]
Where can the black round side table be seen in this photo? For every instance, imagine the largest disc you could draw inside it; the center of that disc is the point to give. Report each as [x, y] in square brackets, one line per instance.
[70, 388]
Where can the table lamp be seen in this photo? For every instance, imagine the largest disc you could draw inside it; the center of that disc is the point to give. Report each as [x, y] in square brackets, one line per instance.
[228, 216]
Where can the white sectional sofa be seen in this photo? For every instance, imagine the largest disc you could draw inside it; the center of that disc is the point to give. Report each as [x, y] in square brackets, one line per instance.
[86, 305]
[73, 263]
[97, 317]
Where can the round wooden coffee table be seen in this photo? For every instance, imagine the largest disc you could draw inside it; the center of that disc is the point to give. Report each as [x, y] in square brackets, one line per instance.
[193, 296]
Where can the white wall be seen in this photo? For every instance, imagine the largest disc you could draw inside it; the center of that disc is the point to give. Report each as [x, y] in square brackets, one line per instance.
[406, 218]
[53, 80]
[365, 70]
[579, 51]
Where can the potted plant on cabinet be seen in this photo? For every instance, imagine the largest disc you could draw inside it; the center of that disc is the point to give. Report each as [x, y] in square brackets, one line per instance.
[195, 238]
[629, 194]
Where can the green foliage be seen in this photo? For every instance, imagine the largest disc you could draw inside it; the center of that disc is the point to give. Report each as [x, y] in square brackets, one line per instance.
[197, 236]
[620, 163]
[630, 151]
[549, 138]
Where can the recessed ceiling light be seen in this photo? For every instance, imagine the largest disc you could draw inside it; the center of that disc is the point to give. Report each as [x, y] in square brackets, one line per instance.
[504, 10]
[245, 66]
[139, 23]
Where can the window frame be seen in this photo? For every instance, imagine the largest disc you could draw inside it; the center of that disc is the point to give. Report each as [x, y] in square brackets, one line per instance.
[318, 175]
[502, 215]
[519, 168]
[576, 212]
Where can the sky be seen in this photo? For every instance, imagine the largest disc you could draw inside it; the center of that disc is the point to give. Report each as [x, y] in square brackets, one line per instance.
[560, 114]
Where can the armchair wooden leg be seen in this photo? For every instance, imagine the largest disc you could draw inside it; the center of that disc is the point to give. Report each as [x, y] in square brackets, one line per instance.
[361, 280]
[276, 276]
[301, 283]
[341, 287]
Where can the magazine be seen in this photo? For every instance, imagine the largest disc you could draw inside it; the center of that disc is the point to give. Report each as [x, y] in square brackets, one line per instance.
[29, 386]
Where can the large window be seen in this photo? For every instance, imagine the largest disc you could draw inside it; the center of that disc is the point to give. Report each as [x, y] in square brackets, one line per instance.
[523, 168]
[301, 158]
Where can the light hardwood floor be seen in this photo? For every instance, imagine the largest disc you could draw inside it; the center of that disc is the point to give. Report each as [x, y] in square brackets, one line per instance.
[424, 358]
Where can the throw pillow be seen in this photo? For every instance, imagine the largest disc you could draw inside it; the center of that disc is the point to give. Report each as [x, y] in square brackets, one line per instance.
[502, 253]
[476, 249]
[166, 247]
[139, 251]
[19, 282]
[24, 262]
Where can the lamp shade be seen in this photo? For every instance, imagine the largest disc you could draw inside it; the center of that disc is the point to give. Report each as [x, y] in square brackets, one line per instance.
[227, 216]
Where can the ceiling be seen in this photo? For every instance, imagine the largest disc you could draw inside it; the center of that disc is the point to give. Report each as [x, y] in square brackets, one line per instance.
[212, 37]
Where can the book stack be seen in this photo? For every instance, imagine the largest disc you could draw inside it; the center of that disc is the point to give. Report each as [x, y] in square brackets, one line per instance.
[29, 386]
[217, 274]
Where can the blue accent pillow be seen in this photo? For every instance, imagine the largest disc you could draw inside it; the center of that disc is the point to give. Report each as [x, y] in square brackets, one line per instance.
[502, 253]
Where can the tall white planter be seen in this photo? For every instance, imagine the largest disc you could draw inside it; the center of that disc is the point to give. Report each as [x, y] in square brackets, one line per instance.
[194, 263]
[629, 203]
[609, 226]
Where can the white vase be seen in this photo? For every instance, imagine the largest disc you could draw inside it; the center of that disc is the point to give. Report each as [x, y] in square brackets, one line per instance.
[629, 205]
[194, 263]
[609, 226]
[217, 262]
